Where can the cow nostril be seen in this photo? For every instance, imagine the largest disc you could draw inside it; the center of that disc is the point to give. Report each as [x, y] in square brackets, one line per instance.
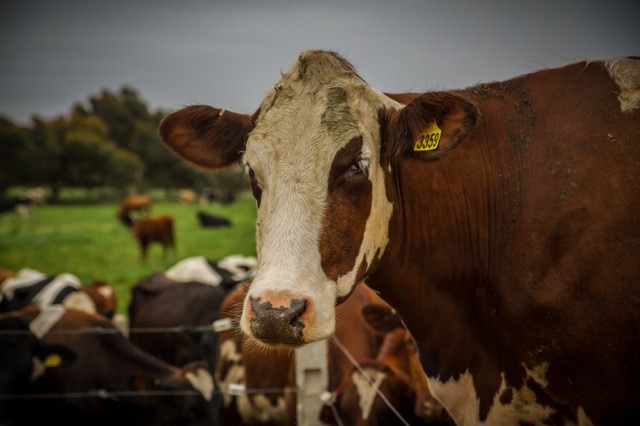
[280, 324]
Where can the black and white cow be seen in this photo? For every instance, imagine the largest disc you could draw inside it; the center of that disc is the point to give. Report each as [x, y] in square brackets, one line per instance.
[31, 287]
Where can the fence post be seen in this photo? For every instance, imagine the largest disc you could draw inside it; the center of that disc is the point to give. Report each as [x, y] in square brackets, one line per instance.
[311, 380]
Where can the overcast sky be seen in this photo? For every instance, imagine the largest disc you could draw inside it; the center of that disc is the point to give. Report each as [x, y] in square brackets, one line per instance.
[228, 53]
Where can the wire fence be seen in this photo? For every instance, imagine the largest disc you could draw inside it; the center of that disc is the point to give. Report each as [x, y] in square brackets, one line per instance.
[218, 326]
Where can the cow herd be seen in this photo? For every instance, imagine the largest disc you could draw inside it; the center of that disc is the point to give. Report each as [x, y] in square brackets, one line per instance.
[180, 358]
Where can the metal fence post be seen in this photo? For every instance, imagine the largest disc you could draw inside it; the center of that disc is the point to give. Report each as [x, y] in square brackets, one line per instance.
[311, 380]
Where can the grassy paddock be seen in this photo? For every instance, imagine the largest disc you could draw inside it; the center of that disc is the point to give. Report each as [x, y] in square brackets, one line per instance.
[89, 241]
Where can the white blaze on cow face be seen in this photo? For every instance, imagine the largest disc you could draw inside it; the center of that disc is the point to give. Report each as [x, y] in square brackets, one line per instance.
[319, 109]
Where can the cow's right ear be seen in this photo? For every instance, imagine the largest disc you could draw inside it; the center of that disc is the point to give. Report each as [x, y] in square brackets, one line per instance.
[208, 137]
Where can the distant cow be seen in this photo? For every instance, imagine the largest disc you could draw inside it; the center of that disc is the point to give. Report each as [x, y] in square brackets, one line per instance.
[140, 204]
[500, 220]
[29, 286]
[208, 220]
[187, 196]
[20, 205]
[111, 381]
[210, 195]
[151, 229]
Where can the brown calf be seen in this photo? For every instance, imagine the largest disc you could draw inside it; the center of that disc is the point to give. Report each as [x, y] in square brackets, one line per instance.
[147, 230]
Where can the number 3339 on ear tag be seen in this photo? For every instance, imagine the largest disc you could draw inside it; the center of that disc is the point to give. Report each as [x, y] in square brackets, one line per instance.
[429, 138]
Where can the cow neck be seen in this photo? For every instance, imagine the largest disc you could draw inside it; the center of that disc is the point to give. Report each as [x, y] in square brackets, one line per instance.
[437, 270]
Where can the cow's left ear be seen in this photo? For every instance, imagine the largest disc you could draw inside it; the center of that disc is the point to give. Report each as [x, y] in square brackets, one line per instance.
[381, 319]
[427, 127]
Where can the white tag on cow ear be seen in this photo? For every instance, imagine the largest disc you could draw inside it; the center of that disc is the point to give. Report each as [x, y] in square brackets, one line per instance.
[222, 324]
[236, 389]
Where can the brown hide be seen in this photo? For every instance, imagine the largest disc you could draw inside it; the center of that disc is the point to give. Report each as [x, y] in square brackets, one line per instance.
[104, 298]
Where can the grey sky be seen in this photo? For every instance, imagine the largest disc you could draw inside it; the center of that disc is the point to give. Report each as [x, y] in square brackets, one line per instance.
[228, 53]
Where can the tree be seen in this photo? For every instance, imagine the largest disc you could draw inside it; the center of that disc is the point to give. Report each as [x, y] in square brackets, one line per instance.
[16, 155]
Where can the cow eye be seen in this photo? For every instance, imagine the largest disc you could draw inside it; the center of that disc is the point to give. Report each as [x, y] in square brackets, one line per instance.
[249, 172]
[360, 167]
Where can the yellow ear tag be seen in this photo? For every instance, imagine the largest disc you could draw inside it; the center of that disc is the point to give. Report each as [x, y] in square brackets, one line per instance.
[429, 139]
[52, 360]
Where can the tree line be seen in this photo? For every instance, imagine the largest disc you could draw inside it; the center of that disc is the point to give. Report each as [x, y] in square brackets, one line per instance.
[109, 141]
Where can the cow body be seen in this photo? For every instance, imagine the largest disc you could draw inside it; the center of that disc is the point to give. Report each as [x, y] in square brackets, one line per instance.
[151, 229]
[208, 220]
[158, 302]
[500, 221]
[32, 287]
[107, 380]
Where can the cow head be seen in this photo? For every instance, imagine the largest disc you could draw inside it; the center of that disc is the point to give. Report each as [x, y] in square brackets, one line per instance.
[319, 153]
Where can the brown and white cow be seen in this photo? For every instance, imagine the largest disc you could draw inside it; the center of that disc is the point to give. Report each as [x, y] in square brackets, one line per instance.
[501, 221]
[374, 374]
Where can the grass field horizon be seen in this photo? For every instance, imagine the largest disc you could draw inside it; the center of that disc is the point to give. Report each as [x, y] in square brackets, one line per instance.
[89, 241]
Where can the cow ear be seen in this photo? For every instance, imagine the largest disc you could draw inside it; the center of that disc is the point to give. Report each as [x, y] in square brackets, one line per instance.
[382, 319]
[55, 355]
[208, 137]
[427, 127]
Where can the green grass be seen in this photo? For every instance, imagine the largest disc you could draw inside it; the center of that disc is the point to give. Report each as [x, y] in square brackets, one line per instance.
[89, 242]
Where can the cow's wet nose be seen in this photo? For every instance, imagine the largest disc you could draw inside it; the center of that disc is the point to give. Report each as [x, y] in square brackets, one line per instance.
[277, 325]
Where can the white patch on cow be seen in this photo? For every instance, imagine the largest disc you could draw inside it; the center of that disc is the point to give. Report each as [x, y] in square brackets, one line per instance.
[367, 386]
[80, 301]
[460, 399]
[24, 278]
[48, 317]
[290, 152]
[258, 409]
[626, 73]
[37, 369]
[121, 322]
[105, 291]
[195, 268]
[240, 267]
[201, 381]
[235, 375]
[59, 283]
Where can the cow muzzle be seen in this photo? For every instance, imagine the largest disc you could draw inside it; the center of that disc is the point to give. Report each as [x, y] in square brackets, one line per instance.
[276, 325]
